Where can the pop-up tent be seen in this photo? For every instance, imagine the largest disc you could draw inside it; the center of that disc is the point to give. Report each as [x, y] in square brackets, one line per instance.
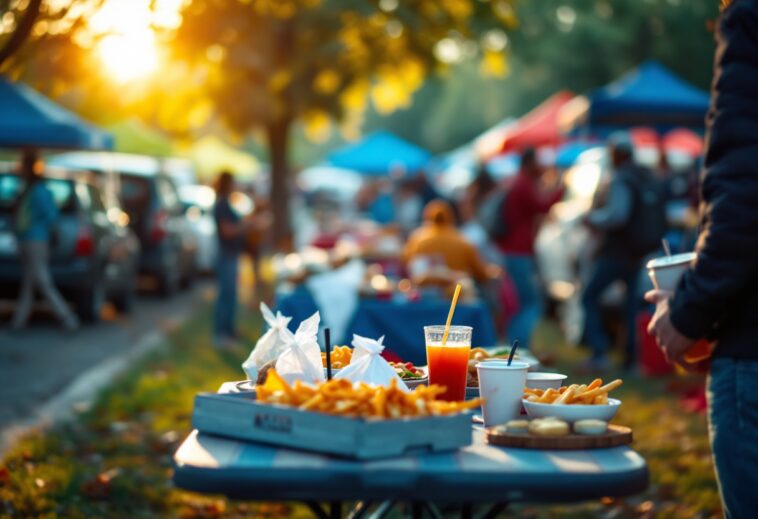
[380, 153]
[649, 95]
[29, 119]
[538, 128]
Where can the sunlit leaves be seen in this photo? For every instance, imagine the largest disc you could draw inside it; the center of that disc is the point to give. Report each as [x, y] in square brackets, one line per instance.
[493, 64]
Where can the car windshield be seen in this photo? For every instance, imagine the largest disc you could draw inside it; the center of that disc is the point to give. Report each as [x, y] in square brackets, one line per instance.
[12, 186]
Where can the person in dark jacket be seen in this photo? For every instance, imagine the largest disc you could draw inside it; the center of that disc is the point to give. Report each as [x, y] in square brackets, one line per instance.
[718, 297]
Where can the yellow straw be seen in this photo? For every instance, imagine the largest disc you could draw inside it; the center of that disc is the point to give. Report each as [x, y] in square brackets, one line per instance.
[450, 314]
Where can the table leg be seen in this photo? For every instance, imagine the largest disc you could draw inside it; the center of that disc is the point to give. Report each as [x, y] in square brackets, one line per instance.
[433, 510]
[318, 510]
[360, 510]
[417, 510]
[384, 508]
[495, 510]
[335, 509]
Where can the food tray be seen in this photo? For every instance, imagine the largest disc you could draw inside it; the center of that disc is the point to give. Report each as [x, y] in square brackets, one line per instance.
[239, 416]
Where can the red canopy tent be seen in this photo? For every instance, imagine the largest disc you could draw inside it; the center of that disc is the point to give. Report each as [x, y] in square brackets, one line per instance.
[536, 129]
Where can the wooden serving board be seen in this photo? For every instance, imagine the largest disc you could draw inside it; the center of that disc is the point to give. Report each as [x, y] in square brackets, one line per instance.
[615, 435]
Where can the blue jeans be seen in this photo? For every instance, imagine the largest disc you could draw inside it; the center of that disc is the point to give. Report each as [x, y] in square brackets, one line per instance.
[733, 428]
[523, 272]
[224, 314]
[605, 271]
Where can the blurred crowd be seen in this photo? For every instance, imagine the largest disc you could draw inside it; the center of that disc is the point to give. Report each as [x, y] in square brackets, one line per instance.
[538, 241]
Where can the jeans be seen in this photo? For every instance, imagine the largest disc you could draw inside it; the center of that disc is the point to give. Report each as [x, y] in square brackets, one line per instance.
[605, 271]
[523, 272]
[224, 314]
[34, 259]
[733, 430]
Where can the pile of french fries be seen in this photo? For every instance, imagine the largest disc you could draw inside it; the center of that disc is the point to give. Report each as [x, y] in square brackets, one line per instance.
[341, 357]
[342, 397]
[594, 393]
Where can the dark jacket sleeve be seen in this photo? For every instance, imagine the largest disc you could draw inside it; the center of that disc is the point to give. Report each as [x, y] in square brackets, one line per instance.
[726, 248]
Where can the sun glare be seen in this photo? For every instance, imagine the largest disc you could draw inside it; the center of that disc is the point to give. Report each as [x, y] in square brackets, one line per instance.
[128, 49]
[129, 56]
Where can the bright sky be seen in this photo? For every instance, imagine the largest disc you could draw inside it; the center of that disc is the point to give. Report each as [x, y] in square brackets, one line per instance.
[128, 48]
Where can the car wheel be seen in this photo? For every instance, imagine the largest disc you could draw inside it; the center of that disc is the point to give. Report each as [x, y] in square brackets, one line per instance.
[90, 303]
[169, 281]
[126, 300]
[189, 277]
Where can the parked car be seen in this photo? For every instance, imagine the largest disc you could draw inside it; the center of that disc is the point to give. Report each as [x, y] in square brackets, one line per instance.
[198, 201]
[94, 256]
[198, 206]
[149, 196]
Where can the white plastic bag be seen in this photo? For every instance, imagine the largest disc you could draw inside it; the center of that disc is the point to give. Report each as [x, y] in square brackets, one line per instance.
[367, 365]
[301, 359]
[272, 344]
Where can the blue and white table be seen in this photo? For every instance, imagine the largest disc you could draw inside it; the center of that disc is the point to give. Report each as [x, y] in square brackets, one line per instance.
[477, 474]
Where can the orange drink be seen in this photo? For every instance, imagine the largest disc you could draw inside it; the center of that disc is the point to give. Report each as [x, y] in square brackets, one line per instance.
[701, 350]
[448, 363]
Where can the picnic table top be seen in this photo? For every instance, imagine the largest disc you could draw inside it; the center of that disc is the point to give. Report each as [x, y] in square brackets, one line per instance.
[477, 473]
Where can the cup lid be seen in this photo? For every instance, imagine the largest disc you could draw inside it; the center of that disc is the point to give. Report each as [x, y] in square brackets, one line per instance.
[671, 261]
[502, 364]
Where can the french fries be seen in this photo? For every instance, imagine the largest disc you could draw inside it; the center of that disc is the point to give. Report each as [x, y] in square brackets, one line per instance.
[594, 393]
[341, 356]
[342, 397]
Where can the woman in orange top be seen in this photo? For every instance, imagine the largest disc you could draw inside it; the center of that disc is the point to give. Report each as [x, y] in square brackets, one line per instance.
[439, 237]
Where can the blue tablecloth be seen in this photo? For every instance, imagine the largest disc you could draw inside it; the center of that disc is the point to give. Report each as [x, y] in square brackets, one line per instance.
[400, 321]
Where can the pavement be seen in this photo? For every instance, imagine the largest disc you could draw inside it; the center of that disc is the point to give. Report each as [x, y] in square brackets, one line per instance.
[44, 371]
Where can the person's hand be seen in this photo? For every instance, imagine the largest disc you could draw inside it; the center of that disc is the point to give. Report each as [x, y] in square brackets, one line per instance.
[673, 344]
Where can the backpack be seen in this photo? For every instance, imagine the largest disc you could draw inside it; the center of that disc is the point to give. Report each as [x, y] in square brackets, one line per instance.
[491, 215]
[647, 223]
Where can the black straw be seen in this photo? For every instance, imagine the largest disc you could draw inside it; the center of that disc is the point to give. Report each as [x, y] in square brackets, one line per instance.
[513, 352]
[328, 341]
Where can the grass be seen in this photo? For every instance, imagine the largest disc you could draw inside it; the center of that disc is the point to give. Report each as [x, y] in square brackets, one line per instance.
[114, 460]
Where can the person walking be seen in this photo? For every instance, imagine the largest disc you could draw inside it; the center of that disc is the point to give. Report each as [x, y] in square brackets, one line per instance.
[231, 231]
[523, 209]
[717, 298]
[36, 214]
[631, 223]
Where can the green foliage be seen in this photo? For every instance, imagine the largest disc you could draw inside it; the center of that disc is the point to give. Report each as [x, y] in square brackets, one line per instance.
[577, 45]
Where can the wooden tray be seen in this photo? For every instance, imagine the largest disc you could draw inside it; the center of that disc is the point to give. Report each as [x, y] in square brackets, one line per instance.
[615, 436]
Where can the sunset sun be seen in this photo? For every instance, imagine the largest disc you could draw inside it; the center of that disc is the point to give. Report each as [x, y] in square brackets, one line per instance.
[128, 49]
[129, 56]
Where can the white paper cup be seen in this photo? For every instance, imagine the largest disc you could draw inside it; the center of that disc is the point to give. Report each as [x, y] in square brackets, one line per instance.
[666, 271]
[502, 388]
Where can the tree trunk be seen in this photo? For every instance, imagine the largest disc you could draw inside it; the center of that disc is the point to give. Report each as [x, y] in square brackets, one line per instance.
[278, 144]
[21, 33]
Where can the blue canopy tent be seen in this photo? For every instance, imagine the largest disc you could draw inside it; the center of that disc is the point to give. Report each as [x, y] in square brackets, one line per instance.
[29, 119]
[649, 95]
[380, 153]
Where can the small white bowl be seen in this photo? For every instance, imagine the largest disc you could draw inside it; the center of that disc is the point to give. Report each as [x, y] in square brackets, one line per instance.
[413, 383]
[573, 412]
[542, 380]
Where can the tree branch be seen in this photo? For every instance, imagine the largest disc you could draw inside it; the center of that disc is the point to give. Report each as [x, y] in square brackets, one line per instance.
[23, 29]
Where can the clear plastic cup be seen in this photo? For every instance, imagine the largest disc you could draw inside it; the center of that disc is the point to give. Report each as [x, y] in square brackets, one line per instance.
[448, 364]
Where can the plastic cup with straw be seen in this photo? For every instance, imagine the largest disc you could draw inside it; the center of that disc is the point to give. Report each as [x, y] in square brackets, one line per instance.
[447, 354]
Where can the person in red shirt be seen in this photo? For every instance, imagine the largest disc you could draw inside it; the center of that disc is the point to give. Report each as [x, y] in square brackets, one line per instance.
[525, 204]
